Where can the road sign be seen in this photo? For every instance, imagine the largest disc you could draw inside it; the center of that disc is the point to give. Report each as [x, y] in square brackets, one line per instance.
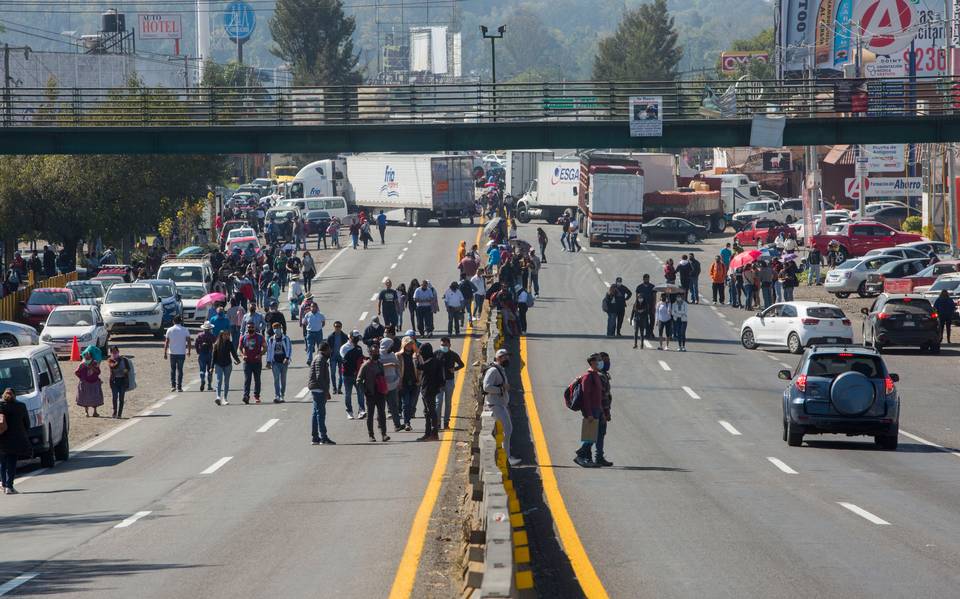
[883, 158]
[570, 103]
[160, 27]
[883, 187]
[239, 21]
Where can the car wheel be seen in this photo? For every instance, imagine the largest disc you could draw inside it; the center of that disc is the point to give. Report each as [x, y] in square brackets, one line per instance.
[794, 344]
[862, 289]
[644, 237]
[843, 254]
[7, 341]
[790, 219]
[691, 238]
[747, 339]
[842, 294]
[523, 215]
[62, 450]
[887, 442]
[794, 435]
[47, 458]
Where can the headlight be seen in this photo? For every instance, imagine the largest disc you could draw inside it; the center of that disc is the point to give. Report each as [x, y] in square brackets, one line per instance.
[45, 337]
[158, 309]
[86, 337]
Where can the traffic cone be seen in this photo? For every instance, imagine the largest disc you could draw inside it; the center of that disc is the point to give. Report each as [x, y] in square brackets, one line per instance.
[75, 351]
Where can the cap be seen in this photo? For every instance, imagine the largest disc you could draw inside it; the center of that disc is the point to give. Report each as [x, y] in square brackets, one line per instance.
[355, 333]
[410, 333]
[406, 341]
[386, 344]
[206, 326]
[502, 352]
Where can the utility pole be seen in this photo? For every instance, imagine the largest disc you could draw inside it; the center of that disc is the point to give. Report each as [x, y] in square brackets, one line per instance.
[949, 30]
[7, 79]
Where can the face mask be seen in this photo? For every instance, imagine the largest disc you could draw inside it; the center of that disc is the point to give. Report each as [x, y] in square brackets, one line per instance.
[600, 365]
[444, 348]
[278, 333]
[505, 363]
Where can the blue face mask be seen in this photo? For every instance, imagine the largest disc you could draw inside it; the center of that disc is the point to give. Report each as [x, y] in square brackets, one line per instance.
[444, 348]
[600, 365]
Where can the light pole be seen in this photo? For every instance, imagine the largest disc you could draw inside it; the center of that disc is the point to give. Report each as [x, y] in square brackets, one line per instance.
[493, 58]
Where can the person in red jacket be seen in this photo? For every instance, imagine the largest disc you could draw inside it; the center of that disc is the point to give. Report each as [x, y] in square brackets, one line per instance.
[591, 407]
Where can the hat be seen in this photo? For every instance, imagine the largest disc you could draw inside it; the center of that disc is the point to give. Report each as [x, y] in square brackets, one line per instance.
[502, 352]
[410, 333]
[308, 296]
[386, 344]
[206, 326]
[355, 333]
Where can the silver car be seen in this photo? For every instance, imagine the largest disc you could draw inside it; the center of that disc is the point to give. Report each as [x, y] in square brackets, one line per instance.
[13, 334]
[851, 275]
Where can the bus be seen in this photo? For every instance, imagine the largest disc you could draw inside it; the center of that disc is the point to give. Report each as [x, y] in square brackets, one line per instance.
[285, 173]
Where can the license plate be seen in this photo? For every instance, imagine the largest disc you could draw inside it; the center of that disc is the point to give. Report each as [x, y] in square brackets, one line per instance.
[831, 339]
[615, 228]
[130, 323]
[909, 323]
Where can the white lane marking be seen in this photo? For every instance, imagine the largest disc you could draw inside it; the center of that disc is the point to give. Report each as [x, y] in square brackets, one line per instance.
[363, 317]
[268, 424]
[16, 582]
[729, 428]
[919, 439]
[714, 308]
[217, 465]
[590, 258]
[785, 365]
[599, 272]
[129, 521]
[194, 381]
[772, 357]
[169, 397]
[303, 393]
[726, 320]
[856, 509]
[691, 392]
[782, 466]
[392, 266]
[158, 405]
[400, 257]
[663, 365]
[418, 228]
[330, 263]
[404, 249]
[414, 234]
[373, 297]
[145, 413]
[606, 284]
[409, 241]
[647, 344]
[105, 436]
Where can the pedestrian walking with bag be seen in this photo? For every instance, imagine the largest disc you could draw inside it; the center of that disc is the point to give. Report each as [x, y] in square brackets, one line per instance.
[603, 365]
[279, 354]
[496, 397]
[319, 385]
[591, 409]
[372, 379]
[223, 352]
[252, 346]
[90, 388]
[14, 440]
[120, 368]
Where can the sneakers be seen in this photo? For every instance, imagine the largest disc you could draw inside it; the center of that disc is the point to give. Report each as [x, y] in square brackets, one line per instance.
[428, 438]
[315, 442]
[217, 401]
[256, 399]
[373, 439]
[246, 400]
[600, 461]
[179, 389]
[584, 462]
[276, 400]
[201, 385]
[349, 415]
[326, 441]
[173, 389]
[225, 402]
[407, 427]
[361, 414]
[384, 437]
[398, 429]
[513, 460]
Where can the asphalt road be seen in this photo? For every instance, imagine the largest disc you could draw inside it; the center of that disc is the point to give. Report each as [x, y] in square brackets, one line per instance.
[705, 499]
[189, 499]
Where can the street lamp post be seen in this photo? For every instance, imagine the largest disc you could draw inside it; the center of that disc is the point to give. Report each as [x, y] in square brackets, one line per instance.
[493, 58]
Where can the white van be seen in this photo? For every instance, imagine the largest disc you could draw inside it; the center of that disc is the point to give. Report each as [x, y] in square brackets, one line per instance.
[335, 206]
[33, 372]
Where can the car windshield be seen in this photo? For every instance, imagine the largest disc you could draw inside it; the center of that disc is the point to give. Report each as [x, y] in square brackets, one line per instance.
[754, 207]
[240, 232]
[833, 365]
[849, 264]
[191, 292]
[948, 284]
[87, 291]
[17, 375]
[180, 273]
[122, 295]
[907, 305]
[825, 312]
[49, 298]
[834, 229]
[655, 222]
[164, 290]
[70, 318]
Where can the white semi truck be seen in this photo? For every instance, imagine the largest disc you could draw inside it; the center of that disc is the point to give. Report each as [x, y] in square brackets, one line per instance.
[553, 192]
[521, 169]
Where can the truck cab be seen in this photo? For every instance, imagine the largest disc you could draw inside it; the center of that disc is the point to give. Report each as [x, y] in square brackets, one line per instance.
[736, 190]
[320, 178]
[763, 208]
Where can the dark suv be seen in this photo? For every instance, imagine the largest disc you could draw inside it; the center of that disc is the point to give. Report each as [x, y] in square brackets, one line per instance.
[841, 389]
[901, 319]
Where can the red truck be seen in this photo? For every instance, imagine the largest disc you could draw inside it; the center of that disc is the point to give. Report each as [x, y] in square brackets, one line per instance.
[700, 207]
[859, 237]
[763, 231]
[926, 276]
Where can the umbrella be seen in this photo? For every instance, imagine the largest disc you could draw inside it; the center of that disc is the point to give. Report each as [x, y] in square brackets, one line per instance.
[668, 288]
[191, 251]
[790, 256]
[210, 298]
[744, 258]
[491, 226]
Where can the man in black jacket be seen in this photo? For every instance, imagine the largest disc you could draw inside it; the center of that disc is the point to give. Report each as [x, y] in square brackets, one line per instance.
[319, 385]
[275, 315]
[432, 383]
[373, 333]
[621, 296]
[14, 443]
[649, 293]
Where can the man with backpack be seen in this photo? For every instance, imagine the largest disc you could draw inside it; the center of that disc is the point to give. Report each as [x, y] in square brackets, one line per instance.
[352, 355]
[496, 391]
[585, 395]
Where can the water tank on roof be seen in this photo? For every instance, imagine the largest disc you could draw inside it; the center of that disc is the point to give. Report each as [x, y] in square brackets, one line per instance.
[112, 21]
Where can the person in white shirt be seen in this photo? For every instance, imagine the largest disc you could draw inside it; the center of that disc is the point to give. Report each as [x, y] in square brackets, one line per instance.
[176, 347]
[479, 292]
[679, 314]
[314, 321]
[453, 300]
[425, 298]
[295, 296]
[664, 320]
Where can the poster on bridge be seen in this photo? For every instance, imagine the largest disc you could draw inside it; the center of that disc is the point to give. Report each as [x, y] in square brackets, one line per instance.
[646, 116]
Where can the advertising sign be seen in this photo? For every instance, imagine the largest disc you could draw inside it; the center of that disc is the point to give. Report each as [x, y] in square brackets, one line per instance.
[884, 187]
[730, 62]
[886, 24]
[646, 116]
[160, 27]
[777, 162]
[239, 21]
[884, 158]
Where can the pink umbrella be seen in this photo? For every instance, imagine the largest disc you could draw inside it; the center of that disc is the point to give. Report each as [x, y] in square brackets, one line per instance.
[744, 258]
[210, 298]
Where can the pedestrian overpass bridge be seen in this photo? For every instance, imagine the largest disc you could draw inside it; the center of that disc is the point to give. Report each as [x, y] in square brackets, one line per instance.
[423, 118]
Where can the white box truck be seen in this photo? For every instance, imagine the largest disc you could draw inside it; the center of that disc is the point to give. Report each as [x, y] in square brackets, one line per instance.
[425, 186]
[521, 168]
[610, 199]
[320, 178]
[554, 191]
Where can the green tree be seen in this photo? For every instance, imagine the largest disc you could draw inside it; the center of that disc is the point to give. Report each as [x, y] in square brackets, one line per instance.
[643, 48]
[762, 42]
[532, 52]
[315, 38]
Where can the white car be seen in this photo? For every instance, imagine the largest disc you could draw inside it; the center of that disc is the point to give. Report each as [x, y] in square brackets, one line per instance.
[67, 322]
[796, 325]
[770, 209]
[190, 294]
[13, 334]
[133, 308]
[851, 275]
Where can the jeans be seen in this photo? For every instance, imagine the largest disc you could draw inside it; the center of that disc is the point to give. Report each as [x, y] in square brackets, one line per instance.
[563, 240]
[318, 423]
[621, 313]
[535, 281]
[8, 470]
[522, 316]
[680, 331]
[431, 426]
[601, 434]
[223, 379]
[336, 377]
[314, 339]
[502, 414]
[445, 403]
[813, 275]
[118, 389]
[279, 378]
[408, 400]
[321, 238]
[787, 294]
[235, 335]
[353, 240]
[748, 296]
[205, 362]
[382, 229]
[377, 404]
[176, 371]
[393, 406]
[766, 290]
[574, 244]
[350, 383]
[694, 291]
[251, 370]
[778, 290]
[454, 320]
[478, 303]
[425, 319]
[307, 280]
[732, 292]
[611, 323]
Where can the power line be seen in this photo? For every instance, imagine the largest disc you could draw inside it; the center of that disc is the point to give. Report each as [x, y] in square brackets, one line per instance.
[20, 8]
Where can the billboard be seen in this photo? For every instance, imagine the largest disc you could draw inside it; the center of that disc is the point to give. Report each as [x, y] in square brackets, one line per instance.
[646, 116]
[777, 162]
[730, 62]
[884, 158]
[159, 27]
[884, 187]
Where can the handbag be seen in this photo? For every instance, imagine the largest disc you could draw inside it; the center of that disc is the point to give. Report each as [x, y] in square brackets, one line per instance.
[589, 430]
[131, 375]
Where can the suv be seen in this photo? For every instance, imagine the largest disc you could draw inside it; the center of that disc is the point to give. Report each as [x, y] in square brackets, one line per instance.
[856, 238]
[169, 299]
[897, 269]
[34, 374]
[901, 319]
[193, 270]
[845, 390]
[771, 209]
[133, 308]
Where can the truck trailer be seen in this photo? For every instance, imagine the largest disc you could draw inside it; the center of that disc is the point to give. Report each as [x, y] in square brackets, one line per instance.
[521, 169]
[610, 199]
[553, 192]
[704, 208]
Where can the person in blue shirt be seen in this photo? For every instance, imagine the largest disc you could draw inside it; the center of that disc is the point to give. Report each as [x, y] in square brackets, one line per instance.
[220, 320]
[382, 226]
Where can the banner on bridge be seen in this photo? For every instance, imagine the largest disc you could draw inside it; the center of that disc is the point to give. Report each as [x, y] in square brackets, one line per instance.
[646, 116]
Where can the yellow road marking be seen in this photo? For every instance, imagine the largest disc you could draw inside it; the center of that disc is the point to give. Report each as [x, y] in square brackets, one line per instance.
[582, 567]
[406, 574]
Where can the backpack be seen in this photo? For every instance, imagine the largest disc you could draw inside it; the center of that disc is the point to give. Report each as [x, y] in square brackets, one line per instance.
[573, 395]
[483, 374]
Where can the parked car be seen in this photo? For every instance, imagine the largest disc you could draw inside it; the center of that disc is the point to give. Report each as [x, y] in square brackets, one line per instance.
[851, 275]
[842, 390]
[240, 232]
[67, 322]
[796, 325]
[925, 277]
[899, 251]
[943, 250]
[873, 207]
[950, 283]
[124, 271]
[13, 334]
[242, 243]
[88, 293]
[34, 374]
[764, 208]
[108, 281]
[667, 228]
[832, 217]
[190, 294]
[894, 215]
[763, 231]
[856, 238]
[42, 301]
[169, 299]
[907, 319]
[188, 270]
[896, 269]
[230, 225]
[133, 308]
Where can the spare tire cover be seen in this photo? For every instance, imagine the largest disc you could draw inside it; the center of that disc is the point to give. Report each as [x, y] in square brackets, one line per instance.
[852, 393]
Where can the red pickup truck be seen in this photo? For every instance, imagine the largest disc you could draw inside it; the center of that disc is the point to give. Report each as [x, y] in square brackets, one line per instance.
[926, 276]
[764, 231]
[859, 237]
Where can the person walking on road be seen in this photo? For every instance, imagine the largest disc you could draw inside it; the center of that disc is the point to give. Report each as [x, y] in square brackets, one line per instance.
[309, 270]
[411, 302]
[14, 441]
[638, 318]
[564, 233]
[388, 304]
[336, 340]
[790, 279]
[496, 397]
[220, 321]
[235, 315]
[694, 279]
[279, 354]
[542, 240]
[467, 291]
[354, 234]
[203, 345]
[533, 265]
[608, 305]
[223, 352]
[766, 284]
[479, 285]
[319, 385]
[374, 332]
[252, 346]
[90, 388]
[669, 272]
[946, 310]
[391, 372]
[591, 409]
[255, 318]
[352, 356]
[453, 301]
[685, 273]
[718, 275]
[814, 264]
[372, 378]
[726, 254]
[382, 226]
[433, 381]
[649, 293]
[664, 321]
[623, 295]
[409, 380]
[451, 364]
[119, 379]
[313, 322]
[425, 298]
[603, 366]
[572, 240]
[176, 348]
[679, 313]
[524, 303]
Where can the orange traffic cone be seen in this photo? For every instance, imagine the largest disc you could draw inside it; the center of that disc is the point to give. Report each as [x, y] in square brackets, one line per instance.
[75, 351]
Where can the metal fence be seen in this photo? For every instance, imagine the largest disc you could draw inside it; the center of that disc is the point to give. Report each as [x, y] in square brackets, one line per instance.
[10, 308]
[476, 102]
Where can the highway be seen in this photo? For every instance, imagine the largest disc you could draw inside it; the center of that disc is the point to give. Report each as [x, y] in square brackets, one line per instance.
[705, 499]
[189, 499]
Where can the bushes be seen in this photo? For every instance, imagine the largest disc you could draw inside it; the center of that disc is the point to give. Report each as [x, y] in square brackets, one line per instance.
[912, 224]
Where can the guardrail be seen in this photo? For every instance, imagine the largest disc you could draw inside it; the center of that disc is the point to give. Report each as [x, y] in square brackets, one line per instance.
[475, 102]
[10, 304]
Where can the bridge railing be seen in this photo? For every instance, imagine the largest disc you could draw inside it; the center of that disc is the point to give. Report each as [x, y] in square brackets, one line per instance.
[474, 102]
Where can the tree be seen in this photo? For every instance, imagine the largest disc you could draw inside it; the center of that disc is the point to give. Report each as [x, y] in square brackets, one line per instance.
[643, 48]
[762, 42]
[532, 52]
[315, 38]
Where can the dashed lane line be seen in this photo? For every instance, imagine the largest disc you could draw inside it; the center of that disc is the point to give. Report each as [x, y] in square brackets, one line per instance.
[729, 428]
[856, 509]
[267, 425]
[374, 297]
[13, 583]
[923, 441]
[217, 465]
[129, 521]
[400, 257]
[599, 272]
[781, 465]
[664, 365]
[145, 413]
[392, 266]
[303, 393]
[647, 344]
[691, 392]
[590, 258]
[363, 317]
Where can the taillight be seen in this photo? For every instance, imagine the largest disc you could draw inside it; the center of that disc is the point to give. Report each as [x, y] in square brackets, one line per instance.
[888, 385]
[845, 355]
[801, 383]
[933, 315]
[883, 316]
[846, 321]
[810, 321]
